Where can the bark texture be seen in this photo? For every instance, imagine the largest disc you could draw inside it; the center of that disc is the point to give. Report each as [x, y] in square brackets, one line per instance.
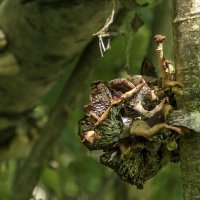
[186, 27]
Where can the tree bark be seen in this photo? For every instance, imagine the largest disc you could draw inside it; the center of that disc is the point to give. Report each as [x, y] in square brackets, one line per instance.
[186, 28]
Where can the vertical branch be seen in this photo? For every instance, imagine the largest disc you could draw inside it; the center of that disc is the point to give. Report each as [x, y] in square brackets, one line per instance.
[186, 30]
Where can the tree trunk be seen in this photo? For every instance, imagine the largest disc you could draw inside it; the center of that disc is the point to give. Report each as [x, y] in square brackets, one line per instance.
[186, 28]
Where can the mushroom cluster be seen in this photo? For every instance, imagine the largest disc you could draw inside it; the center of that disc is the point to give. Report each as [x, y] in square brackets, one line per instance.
[127, 119]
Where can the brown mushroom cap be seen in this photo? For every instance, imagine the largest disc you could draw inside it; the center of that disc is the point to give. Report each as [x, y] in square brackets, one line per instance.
[159, 38]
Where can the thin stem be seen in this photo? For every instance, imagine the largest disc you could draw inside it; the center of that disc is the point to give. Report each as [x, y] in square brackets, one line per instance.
[159, 41]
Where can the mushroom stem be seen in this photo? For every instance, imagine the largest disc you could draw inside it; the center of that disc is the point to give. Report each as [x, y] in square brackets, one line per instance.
[159, 49]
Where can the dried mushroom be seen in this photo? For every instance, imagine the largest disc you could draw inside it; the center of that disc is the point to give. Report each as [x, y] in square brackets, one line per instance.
[127, 119]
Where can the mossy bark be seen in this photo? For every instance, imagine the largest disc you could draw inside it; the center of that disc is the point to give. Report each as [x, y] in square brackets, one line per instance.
[186, 27]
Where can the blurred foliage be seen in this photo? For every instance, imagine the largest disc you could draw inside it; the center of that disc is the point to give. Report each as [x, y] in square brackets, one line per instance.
[74, 172]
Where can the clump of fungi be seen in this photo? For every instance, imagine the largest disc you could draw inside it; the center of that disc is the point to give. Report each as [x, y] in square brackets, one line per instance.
[127, 119]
